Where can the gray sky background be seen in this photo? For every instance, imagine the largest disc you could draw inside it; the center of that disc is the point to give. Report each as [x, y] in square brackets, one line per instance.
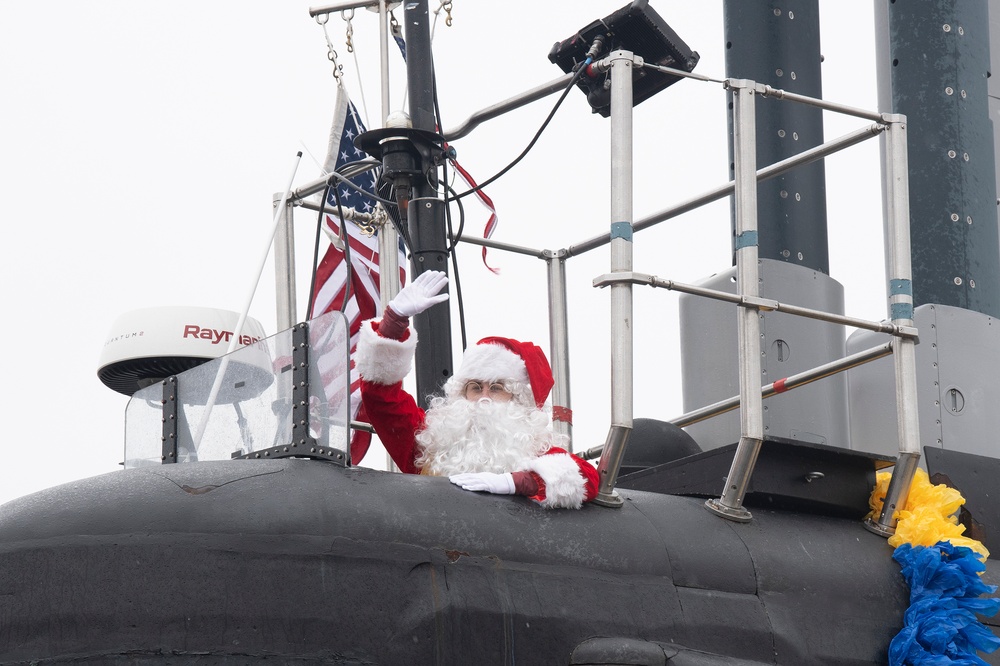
[142, 142]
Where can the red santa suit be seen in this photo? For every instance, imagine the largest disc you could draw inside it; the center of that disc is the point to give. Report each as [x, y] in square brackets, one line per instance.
[551, 476]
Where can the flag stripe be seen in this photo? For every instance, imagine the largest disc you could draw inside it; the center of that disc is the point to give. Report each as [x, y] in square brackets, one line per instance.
[363, 300]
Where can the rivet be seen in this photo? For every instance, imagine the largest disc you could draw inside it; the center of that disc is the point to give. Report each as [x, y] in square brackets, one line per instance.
[964, 94]
[795, 136]
[783, 194]
[949, 91]
[946, 27]
[958, 281]
[786, 253]
[952, 154]
[791, 14]
[798, 197]
[965, 156]
[961, 30]
[792, 75]
[972, 283]
[781, 133]
[954, 217]
[779, 72]
[777, 12]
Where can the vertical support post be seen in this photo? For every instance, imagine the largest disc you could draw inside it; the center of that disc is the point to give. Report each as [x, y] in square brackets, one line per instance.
[730, 504]
[284, 266]
[621, 292]
[388, 239]
[562, 413]
[901, 311]
[170, 420]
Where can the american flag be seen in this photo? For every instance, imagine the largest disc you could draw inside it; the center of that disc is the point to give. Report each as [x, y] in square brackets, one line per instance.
[331, 284]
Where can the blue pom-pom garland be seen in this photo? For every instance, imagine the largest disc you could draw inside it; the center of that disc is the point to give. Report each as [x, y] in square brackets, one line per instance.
[941, 627]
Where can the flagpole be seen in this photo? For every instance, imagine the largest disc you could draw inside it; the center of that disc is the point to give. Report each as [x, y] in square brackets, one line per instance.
[388, 239]
[234, 341]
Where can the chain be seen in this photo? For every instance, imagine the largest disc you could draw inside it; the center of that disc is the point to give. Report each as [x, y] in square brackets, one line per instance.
[350, 28]
[331, 53]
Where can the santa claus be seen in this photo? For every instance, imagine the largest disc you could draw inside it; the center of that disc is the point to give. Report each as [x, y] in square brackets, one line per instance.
[490, 431]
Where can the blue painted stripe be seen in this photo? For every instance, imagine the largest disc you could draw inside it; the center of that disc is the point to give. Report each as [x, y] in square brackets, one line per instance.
[746, 239]
[897, 287]
[901, 311]
[621, 230]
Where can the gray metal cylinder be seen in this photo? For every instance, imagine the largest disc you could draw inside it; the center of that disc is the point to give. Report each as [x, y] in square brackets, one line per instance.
[778, 44]
[933, 64]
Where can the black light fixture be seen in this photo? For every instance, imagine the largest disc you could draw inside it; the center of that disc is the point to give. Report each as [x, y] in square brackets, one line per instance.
[636, 28]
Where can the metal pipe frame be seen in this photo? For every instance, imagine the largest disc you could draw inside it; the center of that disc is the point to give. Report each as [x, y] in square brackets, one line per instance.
[789, 383]
[516, 249]
[778, 93]
[298, 196]
[730, 504]
[500, 108]
[284, 265]
[621, 293]
[901, 311]
[344, 6]
[388, 237]
[562, 414]
[758, 303]
[776, 169]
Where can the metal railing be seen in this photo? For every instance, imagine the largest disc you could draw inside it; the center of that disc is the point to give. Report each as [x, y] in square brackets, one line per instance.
[621, 279]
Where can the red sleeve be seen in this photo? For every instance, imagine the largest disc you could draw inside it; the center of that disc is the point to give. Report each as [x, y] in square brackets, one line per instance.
[590, 477]
[396, 418]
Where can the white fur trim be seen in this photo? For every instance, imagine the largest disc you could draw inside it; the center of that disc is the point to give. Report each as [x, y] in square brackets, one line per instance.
[565, 487]
[490, 362]
[383, 360]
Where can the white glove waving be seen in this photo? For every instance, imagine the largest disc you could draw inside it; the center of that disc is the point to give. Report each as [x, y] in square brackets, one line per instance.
[420, 294]
[498, 484]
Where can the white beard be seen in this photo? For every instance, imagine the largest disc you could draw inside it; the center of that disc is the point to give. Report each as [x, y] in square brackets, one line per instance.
[484, 436]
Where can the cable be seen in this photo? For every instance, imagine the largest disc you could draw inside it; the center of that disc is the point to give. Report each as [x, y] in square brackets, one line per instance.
[454, 263]
[580, 69]
[447, 210]
[345, 238]
[356, 188]
[315, 264]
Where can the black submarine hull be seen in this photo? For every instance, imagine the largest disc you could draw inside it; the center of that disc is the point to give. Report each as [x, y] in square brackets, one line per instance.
[297, 561]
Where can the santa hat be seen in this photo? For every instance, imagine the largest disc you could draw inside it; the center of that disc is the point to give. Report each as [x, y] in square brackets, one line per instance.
[496, 359]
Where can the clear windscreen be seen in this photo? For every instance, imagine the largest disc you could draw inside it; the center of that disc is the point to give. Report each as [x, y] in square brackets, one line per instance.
[242, 403]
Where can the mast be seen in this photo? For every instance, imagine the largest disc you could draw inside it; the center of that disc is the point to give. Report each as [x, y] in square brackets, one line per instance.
[426, 212]
[779, 46]
[934, 66]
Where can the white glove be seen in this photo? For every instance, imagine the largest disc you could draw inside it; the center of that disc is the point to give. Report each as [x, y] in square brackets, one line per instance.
[498, 484]
[420, 294]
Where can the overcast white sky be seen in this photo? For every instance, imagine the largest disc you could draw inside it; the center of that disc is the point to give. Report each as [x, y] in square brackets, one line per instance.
[141, 144]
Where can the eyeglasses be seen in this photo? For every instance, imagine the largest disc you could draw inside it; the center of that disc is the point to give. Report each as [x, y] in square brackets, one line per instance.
[475, 390]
